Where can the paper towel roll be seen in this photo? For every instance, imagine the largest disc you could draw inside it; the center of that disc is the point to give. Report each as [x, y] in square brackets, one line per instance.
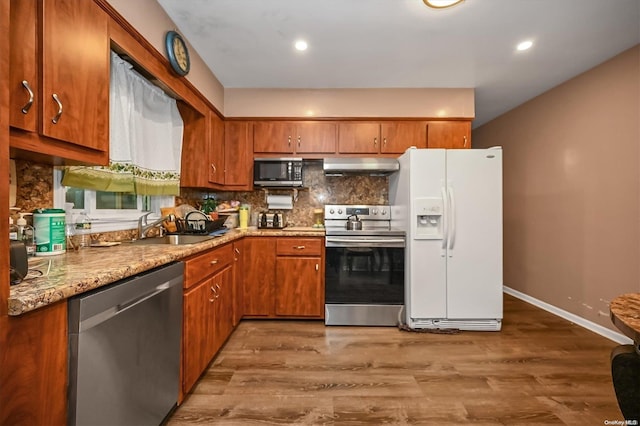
[280, 202]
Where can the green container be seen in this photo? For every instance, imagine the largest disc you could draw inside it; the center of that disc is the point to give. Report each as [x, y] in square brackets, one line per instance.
[50, 232]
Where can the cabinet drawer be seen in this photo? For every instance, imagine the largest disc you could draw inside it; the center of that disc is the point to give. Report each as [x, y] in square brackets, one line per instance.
[299, 246]
[206, 264]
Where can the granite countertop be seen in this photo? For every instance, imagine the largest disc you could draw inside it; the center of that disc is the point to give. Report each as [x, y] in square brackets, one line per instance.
[74, 273]
[625, 314]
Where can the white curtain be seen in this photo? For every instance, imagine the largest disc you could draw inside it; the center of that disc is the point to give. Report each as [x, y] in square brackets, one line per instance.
[145, 140]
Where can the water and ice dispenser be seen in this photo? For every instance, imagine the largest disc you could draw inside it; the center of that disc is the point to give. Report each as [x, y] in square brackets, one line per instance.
[428, 214]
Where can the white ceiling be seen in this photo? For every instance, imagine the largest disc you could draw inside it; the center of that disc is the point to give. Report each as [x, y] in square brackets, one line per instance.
[404, 44]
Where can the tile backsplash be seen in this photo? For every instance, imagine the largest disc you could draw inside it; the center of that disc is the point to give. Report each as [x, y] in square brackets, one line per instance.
[35, 189]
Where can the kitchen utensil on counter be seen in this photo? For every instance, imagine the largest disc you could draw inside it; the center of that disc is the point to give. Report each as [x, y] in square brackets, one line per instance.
[182, 210]
[197, 222]
[354, 224]
[271, 221]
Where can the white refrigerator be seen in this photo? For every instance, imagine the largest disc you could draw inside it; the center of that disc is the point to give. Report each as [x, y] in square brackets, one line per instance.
[449, 201]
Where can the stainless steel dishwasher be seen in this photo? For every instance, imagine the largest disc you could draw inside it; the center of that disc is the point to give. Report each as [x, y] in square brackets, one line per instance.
[124, 350]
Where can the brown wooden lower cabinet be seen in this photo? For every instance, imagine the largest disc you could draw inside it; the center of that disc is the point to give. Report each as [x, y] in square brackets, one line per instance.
[33, 367]
[259, 275]
[238, 280]
[207, 311]
[298, 287]
[284, 277]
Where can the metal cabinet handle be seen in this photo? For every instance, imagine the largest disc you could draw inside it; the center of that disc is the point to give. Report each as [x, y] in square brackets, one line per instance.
[27, 106]
[217, 286]
[375, 141]
[384, 141]
[214, 261]
[237, 251]
[55, 119]
[213, 167]
[298, 247]
[298, 141]
[464, 138]
[317, 267]
[214, 292]
[289, 139]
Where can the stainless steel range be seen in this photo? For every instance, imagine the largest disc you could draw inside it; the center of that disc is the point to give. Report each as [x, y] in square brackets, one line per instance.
[364, 266]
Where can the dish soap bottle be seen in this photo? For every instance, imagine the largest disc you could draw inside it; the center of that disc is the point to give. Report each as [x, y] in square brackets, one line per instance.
[25, 234]
[13, 230]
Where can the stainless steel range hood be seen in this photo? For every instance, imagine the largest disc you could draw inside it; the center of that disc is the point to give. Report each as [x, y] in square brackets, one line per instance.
[360, 166]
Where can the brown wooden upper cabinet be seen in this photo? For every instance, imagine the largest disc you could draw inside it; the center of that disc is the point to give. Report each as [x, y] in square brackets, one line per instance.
[216, 154]
[71, 105]
[389, 137]
[286, 137]
[216, 147]
[238, 159]
[449, 134]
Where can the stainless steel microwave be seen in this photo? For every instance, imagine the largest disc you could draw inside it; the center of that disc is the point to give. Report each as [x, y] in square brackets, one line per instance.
[277, 172]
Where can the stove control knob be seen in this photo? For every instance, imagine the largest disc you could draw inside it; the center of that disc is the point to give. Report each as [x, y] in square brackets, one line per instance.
[339, 211]
[331, 211]
[384, 212]
[374, 211]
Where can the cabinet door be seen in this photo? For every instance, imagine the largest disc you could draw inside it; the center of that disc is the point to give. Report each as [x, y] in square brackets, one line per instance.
[273, 137]
[260, 261]
[194, 171]
[397, 136]
[298, 287]
[316, 137]
[216, 149]
[238, 158]
[23, 72]
[34, 375]
[449, 134]
[75, 70]
[359, 138]
[238, 280]
[198, 337]
[223, 314]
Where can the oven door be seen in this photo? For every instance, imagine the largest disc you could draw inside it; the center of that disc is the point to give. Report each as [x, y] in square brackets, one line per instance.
[364, 280]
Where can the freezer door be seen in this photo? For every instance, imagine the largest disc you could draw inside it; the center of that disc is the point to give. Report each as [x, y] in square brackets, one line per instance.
[426, 261]
[474, 246]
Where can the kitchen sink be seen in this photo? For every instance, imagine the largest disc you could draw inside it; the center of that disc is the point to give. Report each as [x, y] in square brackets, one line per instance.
[175, 239]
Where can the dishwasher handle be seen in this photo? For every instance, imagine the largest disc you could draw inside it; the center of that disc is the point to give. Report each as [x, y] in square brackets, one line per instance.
[111, 312]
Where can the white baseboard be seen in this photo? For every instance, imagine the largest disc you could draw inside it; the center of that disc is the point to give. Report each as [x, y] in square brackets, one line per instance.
[585, 323]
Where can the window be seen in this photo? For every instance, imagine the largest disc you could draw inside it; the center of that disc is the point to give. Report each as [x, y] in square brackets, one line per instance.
[109, 211]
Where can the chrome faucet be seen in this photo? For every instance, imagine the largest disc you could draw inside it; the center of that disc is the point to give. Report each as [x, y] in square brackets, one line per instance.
[144, 226]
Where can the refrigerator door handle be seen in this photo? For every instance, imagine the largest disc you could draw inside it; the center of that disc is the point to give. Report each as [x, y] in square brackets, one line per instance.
[452, 218]
[445, 219]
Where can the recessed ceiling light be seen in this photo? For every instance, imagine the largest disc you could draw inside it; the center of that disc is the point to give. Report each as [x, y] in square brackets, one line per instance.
[524, 45]
[441, 4]
[301, 45]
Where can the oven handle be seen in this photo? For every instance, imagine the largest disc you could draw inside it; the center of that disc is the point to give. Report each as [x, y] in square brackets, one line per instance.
[378, 242]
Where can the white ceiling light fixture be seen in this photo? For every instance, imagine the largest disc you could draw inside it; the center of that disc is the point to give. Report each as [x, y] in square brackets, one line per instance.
[441, 4]
[301, 45]
[524, 45]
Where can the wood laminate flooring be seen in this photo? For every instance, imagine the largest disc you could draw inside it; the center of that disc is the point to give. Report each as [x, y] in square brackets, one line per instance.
[540, 369]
